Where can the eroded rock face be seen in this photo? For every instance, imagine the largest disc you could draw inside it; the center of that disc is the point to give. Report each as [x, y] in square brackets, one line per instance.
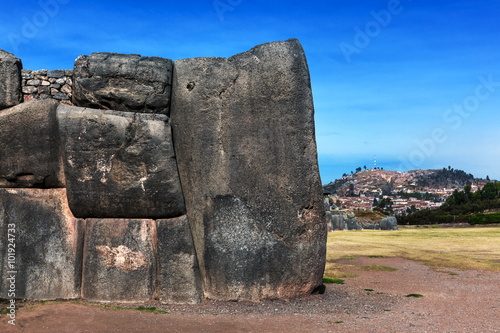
[119, 260]
[119, 164]
[48, 244]
[29, 146]
[244, 137]
[10, 80]
[123, 82]
[179, 274]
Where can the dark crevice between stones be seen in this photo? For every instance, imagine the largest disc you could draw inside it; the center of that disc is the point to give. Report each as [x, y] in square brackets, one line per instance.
[28, 180]
[230, 85]
[81, 254]
[319, 290]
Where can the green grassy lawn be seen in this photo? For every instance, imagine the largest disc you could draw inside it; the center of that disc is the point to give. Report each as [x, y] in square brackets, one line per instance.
[462, 248]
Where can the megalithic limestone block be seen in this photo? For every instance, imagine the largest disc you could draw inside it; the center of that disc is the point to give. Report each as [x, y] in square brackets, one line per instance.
[29, 146]
[40, 245]
[244, 137]
[119, 260]
[178, 272]
[123, 82]
[119, 164]
[10, 80]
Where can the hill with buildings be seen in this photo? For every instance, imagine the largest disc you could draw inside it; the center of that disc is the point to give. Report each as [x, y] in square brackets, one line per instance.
[377, 183]
[404, 192]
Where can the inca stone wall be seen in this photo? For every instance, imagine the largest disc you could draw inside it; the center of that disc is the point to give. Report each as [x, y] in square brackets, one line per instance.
[174, 181]
[44, 84]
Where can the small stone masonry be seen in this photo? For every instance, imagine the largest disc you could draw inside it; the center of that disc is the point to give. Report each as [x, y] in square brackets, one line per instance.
[43, 84]
[130, 178]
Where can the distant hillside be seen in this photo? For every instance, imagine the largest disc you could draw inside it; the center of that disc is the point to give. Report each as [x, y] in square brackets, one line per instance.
[383, 182]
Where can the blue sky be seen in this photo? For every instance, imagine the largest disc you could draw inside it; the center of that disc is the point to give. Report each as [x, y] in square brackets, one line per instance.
[414, 82]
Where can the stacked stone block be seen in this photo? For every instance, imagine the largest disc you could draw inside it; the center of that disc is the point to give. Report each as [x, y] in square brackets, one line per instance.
[48, 244]
[244, 138]
[224, 202]
[119, 164]
[123, 82]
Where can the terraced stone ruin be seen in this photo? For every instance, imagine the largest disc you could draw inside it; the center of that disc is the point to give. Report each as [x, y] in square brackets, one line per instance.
[170, 180]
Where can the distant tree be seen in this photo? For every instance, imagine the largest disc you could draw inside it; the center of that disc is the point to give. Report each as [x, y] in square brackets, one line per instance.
[489, 191]
[364, 167]
[375, 202]
[351, 172]
[358, 169]
[468, 192]
[385, 205]
[487, 178]
[449, 167]
[344, 175]
[382, 168]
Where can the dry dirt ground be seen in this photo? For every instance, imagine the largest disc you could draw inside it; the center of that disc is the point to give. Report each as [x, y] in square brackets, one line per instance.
[453, 301]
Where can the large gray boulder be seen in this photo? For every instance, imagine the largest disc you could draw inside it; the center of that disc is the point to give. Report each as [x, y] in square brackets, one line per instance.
[244, 137]
[351, 222]
[179, 277]
[29, 146]
[123, 82]
[119, 261]
[119, 164]
[389, 223]
[10, 80]
[338, 220]
[47, 242]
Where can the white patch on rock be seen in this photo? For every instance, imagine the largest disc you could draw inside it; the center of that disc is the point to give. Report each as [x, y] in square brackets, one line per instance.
[122, 257]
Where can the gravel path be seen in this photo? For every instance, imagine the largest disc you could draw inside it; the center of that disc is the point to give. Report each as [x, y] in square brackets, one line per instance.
[453, 301]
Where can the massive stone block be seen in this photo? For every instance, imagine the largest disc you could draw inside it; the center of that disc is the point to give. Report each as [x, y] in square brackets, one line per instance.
[119, 164]
[339, 219]
[48, 244]
[10, 80]
[119, 262]
[29, 146]
[178, 271]
[389, 223]
[245, 144]
[123, 82]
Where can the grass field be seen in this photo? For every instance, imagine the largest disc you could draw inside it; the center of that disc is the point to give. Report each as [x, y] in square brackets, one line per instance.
[462, 248]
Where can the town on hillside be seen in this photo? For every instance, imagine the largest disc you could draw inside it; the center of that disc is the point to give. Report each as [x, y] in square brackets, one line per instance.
[400, 193]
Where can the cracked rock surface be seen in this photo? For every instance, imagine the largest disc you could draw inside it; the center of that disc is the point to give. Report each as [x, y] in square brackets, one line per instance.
[119, 164]
[124, 82]
[244, 137]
